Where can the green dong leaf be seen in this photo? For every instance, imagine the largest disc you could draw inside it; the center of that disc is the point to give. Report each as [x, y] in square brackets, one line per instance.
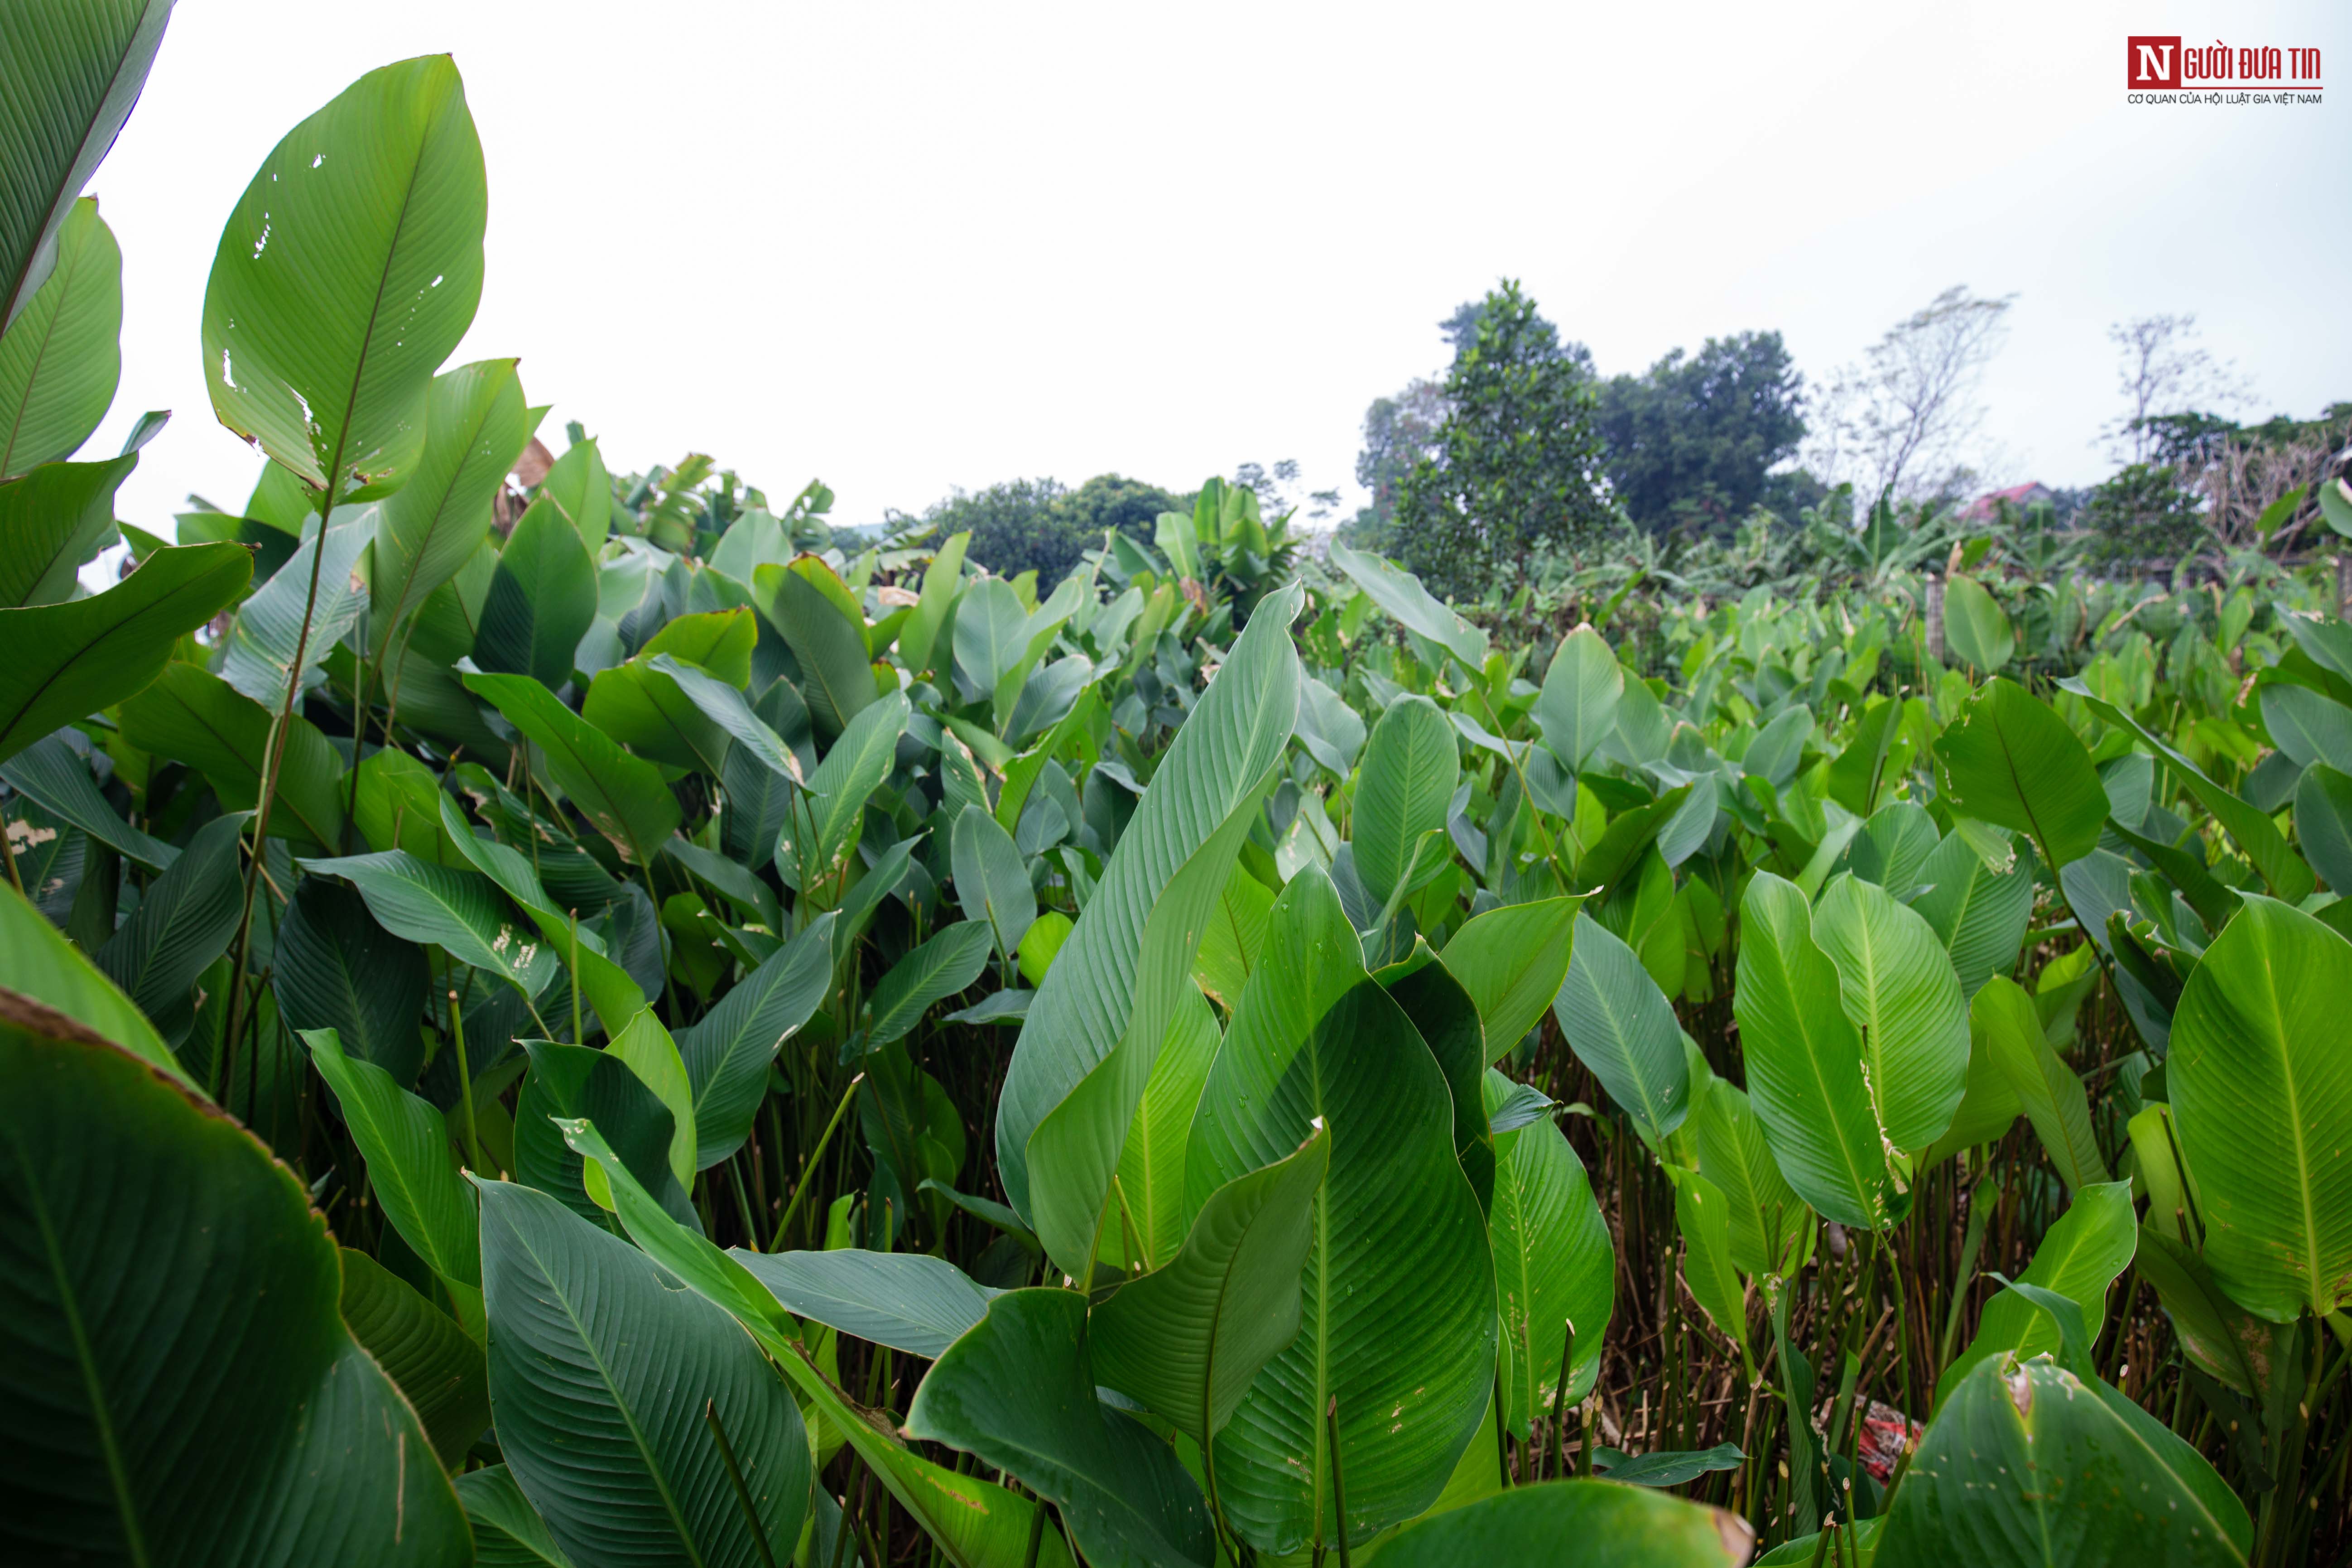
[1612, 1526]
[406, 1145]
[1018, 1392]
[977, 1524]
[1898, 986]
[1399, 1317]
[2080, 1257]
[1620, 1025]
[727, 1052]
[992, 883]
[475, 425]
[610, 1444]
[1577, 706]
[625, 796]
[1512, 960]
[1804, 1060]
[39, 962]
[2261, 1094]
[223, 734]
[574, 1082]
[1554, 1267]
[224, 1422]
[2010, 759]
[908, 1300]
[348, 271]
[543, 597]
[71, 659]
[73, 74]
[1404, 792]
[62, 358]
[1188, 1338]
[1113, 980]
[422, 1348]
[2027, 1463]
[186, 922]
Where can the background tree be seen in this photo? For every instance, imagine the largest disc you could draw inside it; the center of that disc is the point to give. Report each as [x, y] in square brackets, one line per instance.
[1906, 417]
[1519, 462]
[1042, 526]
[2143, 513]
[2163, 372]
[1399, 432]
[1113, 501]
[2210, 484]
[1692, 440]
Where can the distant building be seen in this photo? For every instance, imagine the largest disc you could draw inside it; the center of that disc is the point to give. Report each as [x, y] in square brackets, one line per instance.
[2018, 495]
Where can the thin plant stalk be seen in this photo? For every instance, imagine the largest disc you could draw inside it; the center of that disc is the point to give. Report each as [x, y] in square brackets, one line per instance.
[1559, 1402]
[576, 1030]
[1036, 1533]
[274, 755]
[801, 1191]
[466, 1085]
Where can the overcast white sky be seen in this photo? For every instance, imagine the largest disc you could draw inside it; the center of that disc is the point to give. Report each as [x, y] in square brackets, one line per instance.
[910, 246]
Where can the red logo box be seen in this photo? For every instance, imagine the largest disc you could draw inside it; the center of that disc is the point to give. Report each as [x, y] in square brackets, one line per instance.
[2154, 62]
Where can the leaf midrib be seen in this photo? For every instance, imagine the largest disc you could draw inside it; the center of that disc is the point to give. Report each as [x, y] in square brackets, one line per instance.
[1862, 1188]
[1873, 1030]
[85, 1358]
[2307, 1215]
[654, 1472]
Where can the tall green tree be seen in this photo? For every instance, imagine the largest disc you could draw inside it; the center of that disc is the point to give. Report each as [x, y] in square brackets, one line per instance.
[1519, 462]
[1692, 441]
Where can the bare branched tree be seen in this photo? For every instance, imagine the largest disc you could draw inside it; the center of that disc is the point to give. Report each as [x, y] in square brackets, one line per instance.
[1904, 418]
[2165, 371]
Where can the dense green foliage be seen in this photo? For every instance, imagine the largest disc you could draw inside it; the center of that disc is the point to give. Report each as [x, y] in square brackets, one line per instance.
[555, 1017]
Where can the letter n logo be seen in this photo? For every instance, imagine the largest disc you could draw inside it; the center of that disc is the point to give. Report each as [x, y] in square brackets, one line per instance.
[2155, 62]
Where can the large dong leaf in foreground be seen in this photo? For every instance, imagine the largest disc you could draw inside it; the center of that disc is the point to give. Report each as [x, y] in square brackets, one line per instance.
[2031, 1464]
[1110, 992]
[2262, 1091]
[177, 1385]
[60, 362]
[68, 74]
[1018, 1391]
[1398, 1323]
[1805, 1064]
[602, 1376]
[976, 1523]
[349, 269]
